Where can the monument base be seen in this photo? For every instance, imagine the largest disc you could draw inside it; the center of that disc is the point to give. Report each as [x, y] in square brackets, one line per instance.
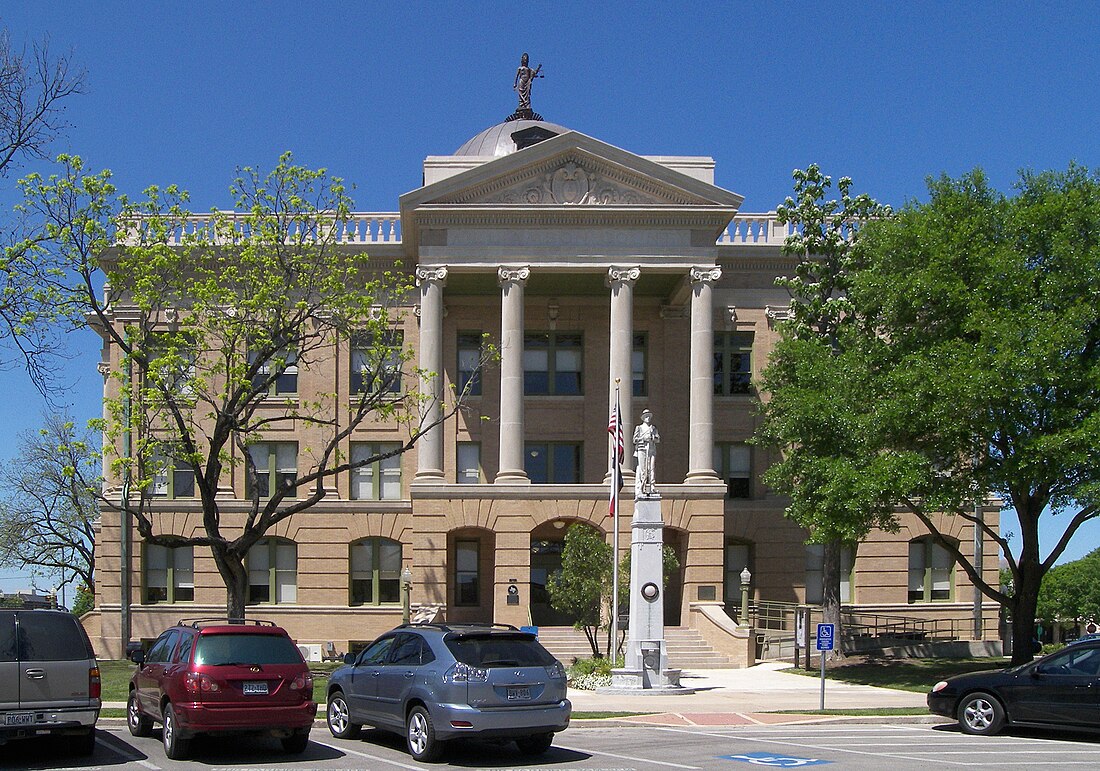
[646, 682]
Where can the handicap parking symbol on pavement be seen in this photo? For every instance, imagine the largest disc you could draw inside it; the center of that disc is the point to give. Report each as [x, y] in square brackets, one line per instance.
[774, 761]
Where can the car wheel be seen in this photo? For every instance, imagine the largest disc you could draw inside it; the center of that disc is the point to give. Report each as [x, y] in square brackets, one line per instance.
[296, 742]
[420, 736]
[138, 724]
[83, 743]
[536, 744]
[175, 746]
[981, 714]
[338, 717]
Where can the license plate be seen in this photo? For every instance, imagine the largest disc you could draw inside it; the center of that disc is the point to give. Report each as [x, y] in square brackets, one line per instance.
[19, 718]
[521, 693]
[255, 689]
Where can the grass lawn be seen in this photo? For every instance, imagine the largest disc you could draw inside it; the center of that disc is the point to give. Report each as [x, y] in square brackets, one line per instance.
[917, 675]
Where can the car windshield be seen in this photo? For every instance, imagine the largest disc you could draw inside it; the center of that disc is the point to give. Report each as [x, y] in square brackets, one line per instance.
[222, 649]
[499, 650]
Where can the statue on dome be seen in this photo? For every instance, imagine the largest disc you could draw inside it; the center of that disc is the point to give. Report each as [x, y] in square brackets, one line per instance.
[525, 76]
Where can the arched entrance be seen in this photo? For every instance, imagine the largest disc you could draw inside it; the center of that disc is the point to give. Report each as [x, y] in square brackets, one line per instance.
[674, 591]
[547, 541]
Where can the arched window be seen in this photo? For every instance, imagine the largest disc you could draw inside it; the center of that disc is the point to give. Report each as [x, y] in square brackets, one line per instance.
[169, 574]
[931, 571]
[375, 574]
[272, 565]
[815, 570]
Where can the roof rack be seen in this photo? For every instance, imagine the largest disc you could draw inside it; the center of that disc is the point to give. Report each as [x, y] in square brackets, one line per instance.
[460, 626]
[196, 622]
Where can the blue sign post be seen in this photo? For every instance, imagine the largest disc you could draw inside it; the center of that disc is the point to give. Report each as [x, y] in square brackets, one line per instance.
[825, 640]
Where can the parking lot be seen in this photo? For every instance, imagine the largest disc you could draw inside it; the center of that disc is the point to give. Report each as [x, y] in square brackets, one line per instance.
[851, 746]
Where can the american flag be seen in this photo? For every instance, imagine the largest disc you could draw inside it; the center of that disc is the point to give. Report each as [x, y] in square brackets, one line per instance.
[615, 428]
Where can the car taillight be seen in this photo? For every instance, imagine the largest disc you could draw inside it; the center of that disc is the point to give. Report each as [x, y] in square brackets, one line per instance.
[556, 671]
[464, 673]
[302, 683]
[195, 683]
[939, 686]
[95, 687]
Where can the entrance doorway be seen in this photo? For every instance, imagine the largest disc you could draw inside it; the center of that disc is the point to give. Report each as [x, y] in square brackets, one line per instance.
[547, 542]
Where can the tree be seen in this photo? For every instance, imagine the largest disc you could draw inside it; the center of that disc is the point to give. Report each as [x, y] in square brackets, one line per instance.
[34, 87]
[826, 464]
[1071, 591]
[206, 328]
[50, 507]
[979, 320]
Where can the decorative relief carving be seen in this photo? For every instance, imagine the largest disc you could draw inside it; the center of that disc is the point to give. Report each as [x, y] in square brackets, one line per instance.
[104, 368]
[623, 274]
[732, 311]
[573, 184]
[705, 275]
[430, 274]
[513, 274]
[777, 312]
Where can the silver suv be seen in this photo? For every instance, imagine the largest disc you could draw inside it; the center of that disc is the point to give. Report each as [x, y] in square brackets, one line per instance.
[437, 682]
[49, 678]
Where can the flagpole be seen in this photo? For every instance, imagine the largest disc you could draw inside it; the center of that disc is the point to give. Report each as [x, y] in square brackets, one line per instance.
[616, 462]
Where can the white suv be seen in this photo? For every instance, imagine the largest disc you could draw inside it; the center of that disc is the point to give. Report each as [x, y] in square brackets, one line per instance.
[49, 678]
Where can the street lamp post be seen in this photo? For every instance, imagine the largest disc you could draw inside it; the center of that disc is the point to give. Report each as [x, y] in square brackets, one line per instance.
[406, 591]
[746, 576]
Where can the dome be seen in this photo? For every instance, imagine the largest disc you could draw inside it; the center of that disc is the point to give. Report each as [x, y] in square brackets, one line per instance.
[505, 138]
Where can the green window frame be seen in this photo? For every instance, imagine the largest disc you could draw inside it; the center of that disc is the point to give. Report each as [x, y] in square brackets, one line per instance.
[815, 568]
[276, 466]
[285, 369]
[467, 572]
[553, 364]
[376, 360]
[272, 567]
[732, 363]
[931, 571]
[168, 574]
[170, 478]
[377, 481]
[740, 554]
[374, 576]
[470, 345]
[733, 464]
[553, 463]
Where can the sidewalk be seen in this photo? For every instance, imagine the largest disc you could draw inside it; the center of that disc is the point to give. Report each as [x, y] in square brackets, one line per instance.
[732, 697]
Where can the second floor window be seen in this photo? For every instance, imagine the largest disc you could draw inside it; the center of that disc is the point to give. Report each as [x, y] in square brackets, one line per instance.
[377, 481]
[733, 463]
[376, 362]
[469, 362]
[171, 478]
[556, 463]
[276, 468]
[278, 376]
[468, 463]
[732, 363]
[639, 384]
[552, 363]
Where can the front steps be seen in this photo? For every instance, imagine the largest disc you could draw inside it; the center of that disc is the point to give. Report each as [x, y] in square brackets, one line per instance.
[686, 647]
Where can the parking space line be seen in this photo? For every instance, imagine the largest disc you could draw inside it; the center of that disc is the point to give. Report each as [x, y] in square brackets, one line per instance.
[350, 751]
[626, 757]
[123, 750]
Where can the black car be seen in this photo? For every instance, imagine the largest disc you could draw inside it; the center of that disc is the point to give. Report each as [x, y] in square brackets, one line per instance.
[1062, 689]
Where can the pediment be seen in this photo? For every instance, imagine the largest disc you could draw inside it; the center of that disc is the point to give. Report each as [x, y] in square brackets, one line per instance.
[574, 179]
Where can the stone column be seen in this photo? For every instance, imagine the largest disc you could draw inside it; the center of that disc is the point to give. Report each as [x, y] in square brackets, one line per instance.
[701, 412]
[512, 281]
[621, 281]
[429, 448]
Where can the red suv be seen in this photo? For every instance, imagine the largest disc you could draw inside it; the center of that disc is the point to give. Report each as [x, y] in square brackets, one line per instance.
[212, 676]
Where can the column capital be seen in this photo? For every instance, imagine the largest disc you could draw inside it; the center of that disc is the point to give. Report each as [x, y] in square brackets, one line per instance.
[705, 275]
[424, 275]
[623, 274]
[506, 274]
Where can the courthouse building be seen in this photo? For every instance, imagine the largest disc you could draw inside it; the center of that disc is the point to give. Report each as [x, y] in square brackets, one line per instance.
[587, 265]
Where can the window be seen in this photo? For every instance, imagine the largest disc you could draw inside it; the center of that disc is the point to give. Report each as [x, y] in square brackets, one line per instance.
[171, 364]
[169, 574]
[171, 478]
[283, 366]
[815, 565]
[556, 463]
[732, 363]
[276, 468]
[375, 571]
[931, 571]
[272, 571]
[411, 650]
[637, 365]
[376, 362]
[733, 462]
[738, 557]
[377, 481]
[469, 362]
[552, 363]
[467, 579]
[468, 463]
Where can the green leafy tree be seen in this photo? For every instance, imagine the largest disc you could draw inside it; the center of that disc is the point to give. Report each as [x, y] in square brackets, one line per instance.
[981, 331]
[828, 463]
[84, 602]
[50, 502]
[582, 584]
[205, 324]
[1071, 591]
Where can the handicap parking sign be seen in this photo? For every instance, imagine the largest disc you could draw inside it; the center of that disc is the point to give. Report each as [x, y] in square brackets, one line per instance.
[824, 637]
[774, 761]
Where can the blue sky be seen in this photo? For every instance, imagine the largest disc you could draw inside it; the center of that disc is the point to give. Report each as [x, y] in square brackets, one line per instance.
[886, 93]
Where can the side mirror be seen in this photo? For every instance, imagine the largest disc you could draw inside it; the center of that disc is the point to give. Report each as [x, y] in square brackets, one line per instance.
[349, 658]
[138, 657]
